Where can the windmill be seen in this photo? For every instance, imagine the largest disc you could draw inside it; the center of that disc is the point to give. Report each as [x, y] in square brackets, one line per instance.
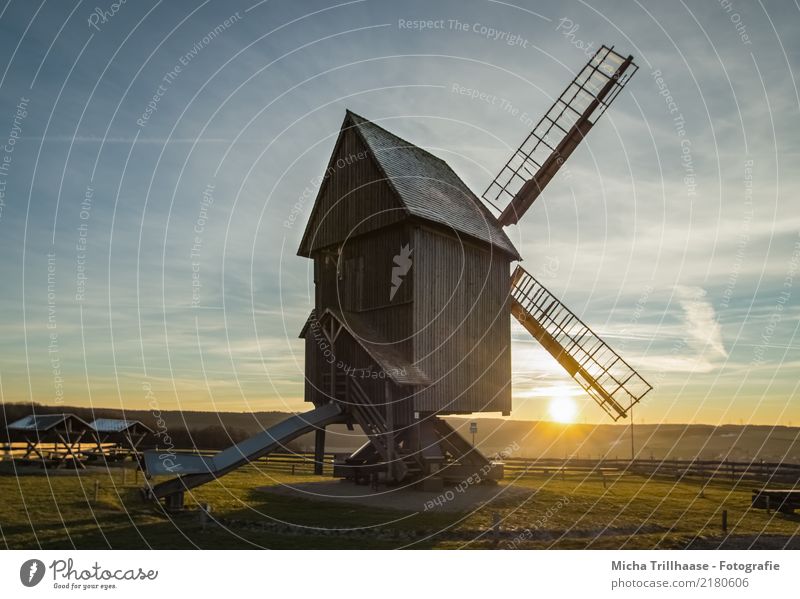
[413, 302]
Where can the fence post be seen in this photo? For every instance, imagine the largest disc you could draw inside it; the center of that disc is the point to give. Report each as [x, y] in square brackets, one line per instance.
[205, 515]
[724, 520]
[96, 490]
[496, 525]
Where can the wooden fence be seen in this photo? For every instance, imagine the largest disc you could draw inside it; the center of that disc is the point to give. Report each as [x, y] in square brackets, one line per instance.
[757, 471]
[705, 470]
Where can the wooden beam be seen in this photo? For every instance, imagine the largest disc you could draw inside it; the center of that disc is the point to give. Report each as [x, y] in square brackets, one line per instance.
[319, 450]
[391, 456]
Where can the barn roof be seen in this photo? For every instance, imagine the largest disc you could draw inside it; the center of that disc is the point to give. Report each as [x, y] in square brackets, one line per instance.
[427, 187]
[44, 422]
[117, 425]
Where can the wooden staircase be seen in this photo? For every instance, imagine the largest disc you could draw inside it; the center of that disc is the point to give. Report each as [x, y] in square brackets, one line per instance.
[400, 461]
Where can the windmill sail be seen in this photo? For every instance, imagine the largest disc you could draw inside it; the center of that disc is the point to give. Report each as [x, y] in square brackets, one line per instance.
[559, 132]
[602, 373]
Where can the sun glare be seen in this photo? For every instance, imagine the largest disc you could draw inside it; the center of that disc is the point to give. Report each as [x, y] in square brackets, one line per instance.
[563, 409]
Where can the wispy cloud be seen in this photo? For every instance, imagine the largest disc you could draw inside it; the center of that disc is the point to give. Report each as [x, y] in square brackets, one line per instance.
[702, 326]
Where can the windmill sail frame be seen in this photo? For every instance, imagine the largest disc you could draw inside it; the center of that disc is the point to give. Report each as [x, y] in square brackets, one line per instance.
[597, 368]
[558, 133]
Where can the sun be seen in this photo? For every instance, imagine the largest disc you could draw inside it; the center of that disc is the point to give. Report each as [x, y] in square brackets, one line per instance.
[563, 409]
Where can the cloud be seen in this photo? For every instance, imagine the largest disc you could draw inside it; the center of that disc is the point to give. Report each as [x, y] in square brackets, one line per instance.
[140, 140]
[663, 363]
[701, 322]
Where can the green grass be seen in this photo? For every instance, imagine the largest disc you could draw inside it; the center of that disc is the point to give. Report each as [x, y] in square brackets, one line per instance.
[60, 512]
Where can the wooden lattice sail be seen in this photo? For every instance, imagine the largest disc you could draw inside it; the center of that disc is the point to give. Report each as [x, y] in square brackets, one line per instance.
[597, 368]
[557, 134]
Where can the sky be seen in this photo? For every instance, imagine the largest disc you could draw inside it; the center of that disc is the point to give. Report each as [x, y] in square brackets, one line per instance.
[153, 154]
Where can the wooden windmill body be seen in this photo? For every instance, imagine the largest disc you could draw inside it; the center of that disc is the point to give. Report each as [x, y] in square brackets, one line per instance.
[413, 299]
[412, 295]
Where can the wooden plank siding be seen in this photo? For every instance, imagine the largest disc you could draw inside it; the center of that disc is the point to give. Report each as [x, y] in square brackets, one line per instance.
[462, 324]
[355, 198]
[360, 282]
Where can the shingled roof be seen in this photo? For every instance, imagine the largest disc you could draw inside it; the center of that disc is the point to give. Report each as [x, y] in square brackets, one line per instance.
[427, 187]
[46, 422]
[391, 362]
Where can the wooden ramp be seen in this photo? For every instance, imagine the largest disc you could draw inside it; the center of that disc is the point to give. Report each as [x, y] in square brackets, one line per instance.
[195, 470]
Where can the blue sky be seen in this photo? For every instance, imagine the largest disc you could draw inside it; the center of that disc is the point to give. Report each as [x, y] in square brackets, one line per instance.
[695, 281]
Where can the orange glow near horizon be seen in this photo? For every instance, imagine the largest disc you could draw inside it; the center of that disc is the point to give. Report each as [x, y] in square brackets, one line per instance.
[563, 409]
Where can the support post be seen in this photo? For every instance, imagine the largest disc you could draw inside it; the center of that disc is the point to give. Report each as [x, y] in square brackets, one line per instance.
[174, 502]
[389, 407]
[633, 448]
[319, 450]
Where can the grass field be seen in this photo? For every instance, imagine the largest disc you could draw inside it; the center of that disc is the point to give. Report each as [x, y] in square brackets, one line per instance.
[59, 511]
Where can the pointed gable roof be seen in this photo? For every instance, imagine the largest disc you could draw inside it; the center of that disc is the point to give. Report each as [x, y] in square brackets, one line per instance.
[426, 186]
[46, 422]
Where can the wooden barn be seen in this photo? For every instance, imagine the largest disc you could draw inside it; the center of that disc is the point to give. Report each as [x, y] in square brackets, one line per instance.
[411, 275]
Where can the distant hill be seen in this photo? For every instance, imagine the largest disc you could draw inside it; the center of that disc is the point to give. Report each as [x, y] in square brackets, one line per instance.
[675, 441]
[519, 438]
